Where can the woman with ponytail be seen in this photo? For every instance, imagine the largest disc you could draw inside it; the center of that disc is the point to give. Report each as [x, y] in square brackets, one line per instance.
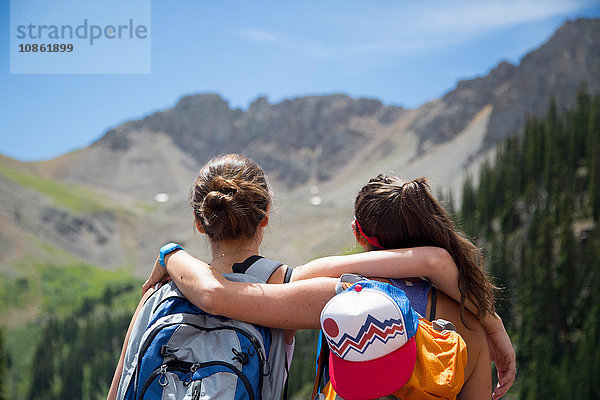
[389, 214]
[392, 213]
[402, 214]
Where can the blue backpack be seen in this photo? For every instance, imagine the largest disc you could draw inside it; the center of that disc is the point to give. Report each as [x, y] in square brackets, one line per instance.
[177, 351]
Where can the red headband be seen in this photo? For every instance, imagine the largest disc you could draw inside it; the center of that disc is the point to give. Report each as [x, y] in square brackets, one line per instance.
[372, 240]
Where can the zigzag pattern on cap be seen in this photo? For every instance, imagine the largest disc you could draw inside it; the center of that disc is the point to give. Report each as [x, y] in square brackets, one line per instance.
[371, 330]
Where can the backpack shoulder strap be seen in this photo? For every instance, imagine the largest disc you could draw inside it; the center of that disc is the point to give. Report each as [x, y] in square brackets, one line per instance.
[263, 268]
[288, 275]
[322, 362]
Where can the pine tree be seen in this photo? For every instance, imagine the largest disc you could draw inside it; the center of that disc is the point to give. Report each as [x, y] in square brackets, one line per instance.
[594, 159]
[468, 206]
[3, 369]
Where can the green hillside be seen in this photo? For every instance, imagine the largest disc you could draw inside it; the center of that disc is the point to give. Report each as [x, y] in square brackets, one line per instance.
[76, 198]
[77, 353]
[55, 312]
[535, 211]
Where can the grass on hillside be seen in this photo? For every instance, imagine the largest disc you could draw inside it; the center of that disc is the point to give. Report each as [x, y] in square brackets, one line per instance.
[74, 197]
[56, 288]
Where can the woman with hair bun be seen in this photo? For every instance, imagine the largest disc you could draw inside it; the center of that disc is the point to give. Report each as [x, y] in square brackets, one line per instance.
[230, 200]
[389, 214]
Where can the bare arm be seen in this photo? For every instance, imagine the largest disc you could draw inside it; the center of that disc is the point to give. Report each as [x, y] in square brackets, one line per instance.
[433, 263]
[295, 305]
[502, 353]
[479, 383]
[478, 376]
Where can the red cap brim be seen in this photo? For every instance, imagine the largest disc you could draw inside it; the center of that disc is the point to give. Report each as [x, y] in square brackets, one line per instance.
[356, 380]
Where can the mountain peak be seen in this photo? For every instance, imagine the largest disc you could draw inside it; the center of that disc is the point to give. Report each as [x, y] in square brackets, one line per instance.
[579, 27]
[200, 100]
[260, 102]
[554, 70]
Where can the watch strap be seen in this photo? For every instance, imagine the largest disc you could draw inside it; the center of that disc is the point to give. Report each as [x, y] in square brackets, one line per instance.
[166, 249]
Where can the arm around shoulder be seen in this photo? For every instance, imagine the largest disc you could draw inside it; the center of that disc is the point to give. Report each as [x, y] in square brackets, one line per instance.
[201, 285]
[431, 262]
[296, 305]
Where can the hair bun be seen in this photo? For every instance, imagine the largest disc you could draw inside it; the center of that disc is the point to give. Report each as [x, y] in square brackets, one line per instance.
[228, 186]
[216, 204]
[230, 197]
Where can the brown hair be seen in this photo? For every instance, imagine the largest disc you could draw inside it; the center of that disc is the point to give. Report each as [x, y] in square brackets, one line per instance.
[230, 197]
[405, 214]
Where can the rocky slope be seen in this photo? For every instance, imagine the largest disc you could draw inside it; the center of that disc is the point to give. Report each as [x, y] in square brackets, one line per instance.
[555, 70]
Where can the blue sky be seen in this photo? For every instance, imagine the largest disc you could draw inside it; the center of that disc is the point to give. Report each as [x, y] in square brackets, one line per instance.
[400, 52]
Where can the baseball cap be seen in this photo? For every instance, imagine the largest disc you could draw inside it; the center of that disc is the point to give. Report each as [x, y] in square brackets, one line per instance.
[370, 328]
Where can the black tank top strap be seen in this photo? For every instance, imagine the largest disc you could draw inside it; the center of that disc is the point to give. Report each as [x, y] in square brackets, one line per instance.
[241, 268]
[433, 303]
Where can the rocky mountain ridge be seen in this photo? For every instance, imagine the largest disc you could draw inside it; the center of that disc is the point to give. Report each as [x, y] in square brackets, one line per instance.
[294, 140]
[312, 147]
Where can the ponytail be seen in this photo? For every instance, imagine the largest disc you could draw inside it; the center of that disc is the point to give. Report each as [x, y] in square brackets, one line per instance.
[405, 214]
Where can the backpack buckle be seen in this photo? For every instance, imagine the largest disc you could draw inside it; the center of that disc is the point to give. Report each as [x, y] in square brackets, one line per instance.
[441, 325]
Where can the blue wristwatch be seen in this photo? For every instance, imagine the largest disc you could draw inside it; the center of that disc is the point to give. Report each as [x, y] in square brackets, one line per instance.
[166, 249]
